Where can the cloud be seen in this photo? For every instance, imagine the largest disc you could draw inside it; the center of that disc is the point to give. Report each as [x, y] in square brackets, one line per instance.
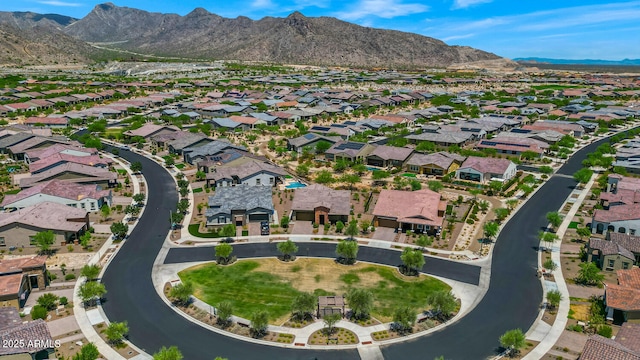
[387, 9]
[463, 4]
[262, 4]
[457, 37]
[58, 3]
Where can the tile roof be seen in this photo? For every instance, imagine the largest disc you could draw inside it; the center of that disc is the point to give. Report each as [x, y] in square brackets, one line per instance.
[609, 248]
[443, 137]
[601, 348]
[244, 170]
[617, 213]
[8, 266]
[47, 215]
[629, 278]
[10, 284]
[212, 148]
[487, 165]
[441, 159]
[90, 174]
[62, 158]
[629, 336]
[629, 242]
[33, 330]
[417, 207]
[59, 148]
[9, 317]
[149, 129]
[391, 152]
[188, 140]
[58, 188]
[308, 198]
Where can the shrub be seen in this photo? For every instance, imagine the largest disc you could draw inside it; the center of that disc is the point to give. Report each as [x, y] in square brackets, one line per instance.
[48, 301]
[69, 277]
[63, 300]
[38, 312]
[606, 331]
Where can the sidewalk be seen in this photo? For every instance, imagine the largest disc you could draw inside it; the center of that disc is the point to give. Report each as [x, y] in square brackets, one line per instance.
[540, 331]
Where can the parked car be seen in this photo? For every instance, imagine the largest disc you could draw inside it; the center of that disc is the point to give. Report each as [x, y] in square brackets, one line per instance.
[264, 228]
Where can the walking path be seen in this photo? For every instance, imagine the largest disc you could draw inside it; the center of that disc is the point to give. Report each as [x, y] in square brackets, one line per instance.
[541, 331]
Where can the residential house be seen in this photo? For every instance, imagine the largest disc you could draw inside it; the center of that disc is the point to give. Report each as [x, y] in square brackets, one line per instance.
[88, 197]
[17, 151]
[18, 228]
[14, 139]
[419, 211]
[188, 141]
[384, 156]
[622, 300]
[35, 155]
[251, 173]
[193, 155]
[309, 142]
[443, 139]
[625, 345]
[514, 145]
[624, 219]
[50, 122]
[612, 255]
[231, 157]
[349, 151]
[240, 205]
[440, 163]
[565, 127]
[320, 204]
[33, 337]
[486, 169]
[73, 173]
[148, 130]
[18, 277]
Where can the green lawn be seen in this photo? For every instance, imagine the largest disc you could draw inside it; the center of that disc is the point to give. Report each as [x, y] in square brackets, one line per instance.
[250, 289]
[411, 175]
[197, 190]
[12, 192]
[180, 166]
[573, 225]
[194, 229]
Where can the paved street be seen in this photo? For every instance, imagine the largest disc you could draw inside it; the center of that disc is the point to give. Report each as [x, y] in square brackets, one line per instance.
[512, 300]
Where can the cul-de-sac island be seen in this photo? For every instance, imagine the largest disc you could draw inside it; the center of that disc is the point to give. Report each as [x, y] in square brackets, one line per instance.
[201, 187]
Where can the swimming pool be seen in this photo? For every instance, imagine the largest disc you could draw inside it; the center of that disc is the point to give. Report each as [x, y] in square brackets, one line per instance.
[295, 185]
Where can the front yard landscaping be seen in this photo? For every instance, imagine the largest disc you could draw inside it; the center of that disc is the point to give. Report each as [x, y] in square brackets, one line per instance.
[252, 285]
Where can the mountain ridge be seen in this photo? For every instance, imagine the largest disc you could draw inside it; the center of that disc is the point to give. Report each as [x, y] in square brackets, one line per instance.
[295, 39]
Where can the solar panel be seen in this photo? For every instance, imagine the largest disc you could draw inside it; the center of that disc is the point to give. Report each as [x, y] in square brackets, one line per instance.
[350, 145]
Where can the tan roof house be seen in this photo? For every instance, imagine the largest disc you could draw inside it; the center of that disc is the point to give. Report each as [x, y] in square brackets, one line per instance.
[419, 211]
[18, 228]
[384, 156]
[18, 277]
[486, 169]
[148, 130]
[321, 204]
[440, 163]
[89, 197]
[73, 173]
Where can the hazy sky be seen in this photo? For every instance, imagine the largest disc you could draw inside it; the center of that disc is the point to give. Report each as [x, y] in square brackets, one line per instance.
[572, 29]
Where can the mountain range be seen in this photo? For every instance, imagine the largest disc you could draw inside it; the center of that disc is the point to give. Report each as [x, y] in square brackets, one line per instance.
[534, 60]
[200, 34]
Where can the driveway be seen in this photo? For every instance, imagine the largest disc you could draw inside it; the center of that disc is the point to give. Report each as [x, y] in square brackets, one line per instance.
[384, 233]
[302, 227]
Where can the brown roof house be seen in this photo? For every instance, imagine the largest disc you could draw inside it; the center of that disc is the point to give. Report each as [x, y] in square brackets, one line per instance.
[625, 346]
[439, 163]
[321, 204]
[624, 219]
[18, 228]
[486, 169]
[33, 336]
[622, 300]
[89, 197]
[18, 277]
[419, 211]
[618, 251]
[73, 173]
[148, 130]
[349, 151]
[384, 156]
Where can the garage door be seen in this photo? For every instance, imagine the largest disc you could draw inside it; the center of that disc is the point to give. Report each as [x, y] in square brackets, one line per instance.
[305, 215]
[387, 223]
[259, 217]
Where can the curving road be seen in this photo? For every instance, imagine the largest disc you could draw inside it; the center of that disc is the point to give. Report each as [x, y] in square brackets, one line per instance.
[512, 300]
